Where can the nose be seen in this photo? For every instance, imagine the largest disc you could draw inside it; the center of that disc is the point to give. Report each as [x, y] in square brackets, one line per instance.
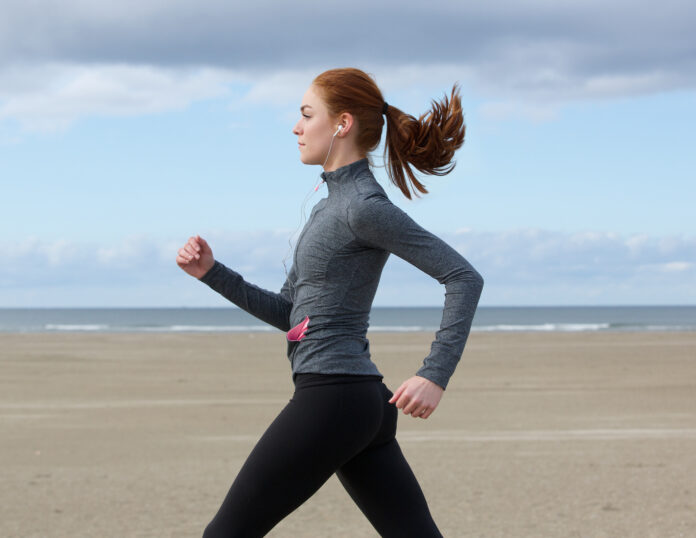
[296, 129]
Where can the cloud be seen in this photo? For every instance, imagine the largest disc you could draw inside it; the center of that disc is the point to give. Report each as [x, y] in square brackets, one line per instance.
[506, 110]
[670, 267]
[576, 35]
[528, 266]
[53, 96]
[538, 255]
[78, 58]
[133, 259]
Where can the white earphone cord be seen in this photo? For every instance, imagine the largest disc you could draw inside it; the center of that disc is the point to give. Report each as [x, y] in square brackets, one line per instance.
[303, 215]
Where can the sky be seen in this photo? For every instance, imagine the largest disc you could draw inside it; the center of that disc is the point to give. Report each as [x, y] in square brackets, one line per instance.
[126, 128]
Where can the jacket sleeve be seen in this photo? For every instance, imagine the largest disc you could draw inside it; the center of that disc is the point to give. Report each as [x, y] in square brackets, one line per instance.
[273, 308]
[378, 223]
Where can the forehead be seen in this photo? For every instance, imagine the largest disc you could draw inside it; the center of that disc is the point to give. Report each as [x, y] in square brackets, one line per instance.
[312, 100]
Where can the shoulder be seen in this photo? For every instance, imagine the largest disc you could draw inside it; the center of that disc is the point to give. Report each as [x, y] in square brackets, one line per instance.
[366, 204]
[367, 192]
[372, 214]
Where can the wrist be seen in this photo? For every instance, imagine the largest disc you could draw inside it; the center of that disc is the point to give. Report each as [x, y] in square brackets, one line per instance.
[209, 271]
[431, 382]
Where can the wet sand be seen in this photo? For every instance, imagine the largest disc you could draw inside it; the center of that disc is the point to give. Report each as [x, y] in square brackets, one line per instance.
[538, 435]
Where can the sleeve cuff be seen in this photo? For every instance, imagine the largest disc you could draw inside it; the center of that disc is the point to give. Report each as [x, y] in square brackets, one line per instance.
[436, 376]
[210, 275]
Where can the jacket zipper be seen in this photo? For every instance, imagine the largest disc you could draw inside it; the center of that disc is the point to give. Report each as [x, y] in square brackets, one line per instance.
[304, 231]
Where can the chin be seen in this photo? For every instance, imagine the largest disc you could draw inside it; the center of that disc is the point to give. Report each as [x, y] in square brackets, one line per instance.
[307, 160]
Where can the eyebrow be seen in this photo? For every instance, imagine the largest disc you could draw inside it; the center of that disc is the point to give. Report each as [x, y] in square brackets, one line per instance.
[303, 107]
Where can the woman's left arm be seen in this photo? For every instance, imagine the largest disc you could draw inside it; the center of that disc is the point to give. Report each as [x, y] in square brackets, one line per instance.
[377, 222]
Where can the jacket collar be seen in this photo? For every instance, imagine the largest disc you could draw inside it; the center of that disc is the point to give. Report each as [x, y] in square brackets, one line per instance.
[345, 173]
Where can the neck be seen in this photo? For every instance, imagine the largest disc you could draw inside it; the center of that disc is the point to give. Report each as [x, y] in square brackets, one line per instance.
[340, 157]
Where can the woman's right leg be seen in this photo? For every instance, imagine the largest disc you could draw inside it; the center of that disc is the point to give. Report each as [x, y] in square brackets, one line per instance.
[320, 429]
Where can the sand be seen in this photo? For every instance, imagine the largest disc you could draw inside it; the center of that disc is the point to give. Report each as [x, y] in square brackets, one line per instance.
[538, 435]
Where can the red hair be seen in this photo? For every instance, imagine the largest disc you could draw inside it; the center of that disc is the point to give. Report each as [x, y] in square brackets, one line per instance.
[426, 144]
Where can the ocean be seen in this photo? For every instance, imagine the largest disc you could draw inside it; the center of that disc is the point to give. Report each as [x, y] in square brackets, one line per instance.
[392, 319]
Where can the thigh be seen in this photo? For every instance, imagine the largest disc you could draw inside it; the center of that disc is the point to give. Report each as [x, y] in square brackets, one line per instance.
[295, 456]
[382, 484]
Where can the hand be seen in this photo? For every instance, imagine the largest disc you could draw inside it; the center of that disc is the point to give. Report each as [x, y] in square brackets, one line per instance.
[418, 396]
[195, 257]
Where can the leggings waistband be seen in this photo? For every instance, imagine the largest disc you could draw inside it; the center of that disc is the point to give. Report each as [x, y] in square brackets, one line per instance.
[305, 380]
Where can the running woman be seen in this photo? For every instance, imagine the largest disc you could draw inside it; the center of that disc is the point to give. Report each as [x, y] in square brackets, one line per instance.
[342, 418]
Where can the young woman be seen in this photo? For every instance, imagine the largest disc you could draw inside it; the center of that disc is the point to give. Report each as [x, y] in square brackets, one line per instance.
[342, 418]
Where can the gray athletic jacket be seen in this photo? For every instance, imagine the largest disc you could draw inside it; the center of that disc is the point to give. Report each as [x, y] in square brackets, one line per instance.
[325, 303]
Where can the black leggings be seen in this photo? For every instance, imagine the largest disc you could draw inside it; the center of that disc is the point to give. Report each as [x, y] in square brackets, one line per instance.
[339, 424]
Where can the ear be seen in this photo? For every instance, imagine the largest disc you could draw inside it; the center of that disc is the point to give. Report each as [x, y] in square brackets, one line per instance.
[348, 121]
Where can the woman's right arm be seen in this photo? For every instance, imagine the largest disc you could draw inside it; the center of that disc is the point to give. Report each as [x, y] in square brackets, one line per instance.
[196, 258]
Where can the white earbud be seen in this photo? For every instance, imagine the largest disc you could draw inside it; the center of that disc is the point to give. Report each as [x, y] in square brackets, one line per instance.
[340, 128]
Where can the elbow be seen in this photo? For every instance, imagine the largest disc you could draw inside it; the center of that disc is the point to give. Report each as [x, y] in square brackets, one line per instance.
[475, 281]
[468, 277]
[480, 285]
[479, 280]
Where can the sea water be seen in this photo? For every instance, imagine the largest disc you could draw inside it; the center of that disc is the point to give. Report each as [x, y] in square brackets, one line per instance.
[391, 319]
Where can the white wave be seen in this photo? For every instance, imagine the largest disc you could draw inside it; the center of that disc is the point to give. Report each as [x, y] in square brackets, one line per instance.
[669, 327]
[75, 327]
[546, 327]
[500, 327]
[164, 328]
[401, 328]
[218, 328]
[209, 328]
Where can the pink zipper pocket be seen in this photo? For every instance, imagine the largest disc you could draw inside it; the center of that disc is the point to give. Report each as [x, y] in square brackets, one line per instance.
[297, 333]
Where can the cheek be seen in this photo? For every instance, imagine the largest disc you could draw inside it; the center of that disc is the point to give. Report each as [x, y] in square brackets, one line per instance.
[317, 134]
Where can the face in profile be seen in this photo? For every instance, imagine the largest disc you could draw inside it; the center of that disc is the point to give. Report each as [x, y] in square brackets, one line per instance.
[314, 129]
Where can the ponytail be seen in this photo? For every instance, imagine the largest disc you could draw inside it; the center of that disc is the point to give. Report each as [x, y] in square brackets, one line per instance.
[426, 144]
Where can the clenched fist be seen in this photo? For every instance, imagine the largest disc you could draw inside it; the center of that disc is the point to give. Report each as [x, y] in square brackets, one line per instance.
[417, 396]
[195, 257]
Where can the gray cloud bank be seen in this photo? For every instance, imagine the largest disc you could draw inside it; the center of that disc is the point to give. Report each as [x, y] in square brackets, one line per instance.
[523, 267]
[531, 51]
[582, 37]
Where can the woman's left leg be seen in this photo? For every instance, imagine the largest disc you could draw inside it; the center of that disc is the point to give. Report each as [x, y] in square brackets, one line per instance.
[382, 484]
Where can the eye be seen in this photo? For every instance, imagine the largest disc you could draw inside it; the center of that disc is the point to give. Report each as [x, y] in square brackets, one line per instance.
[305, 115]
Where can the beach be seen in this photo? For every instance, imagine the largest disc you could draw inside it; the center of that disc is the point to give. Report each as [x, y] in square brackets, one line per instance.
[578, 434]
